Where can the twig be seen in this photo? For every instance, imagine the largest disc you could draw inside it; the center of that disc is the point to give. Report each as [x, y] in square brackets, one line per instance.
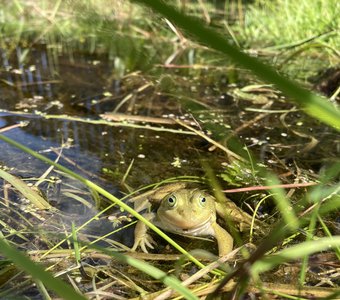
[21, 124]
[218, 145]
[268, 187]
[101, 122]
[118, 117]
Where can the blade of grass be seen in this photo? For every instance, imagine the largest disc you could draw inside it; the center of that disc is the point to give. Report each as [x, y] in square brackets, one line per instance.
[25, 190]
[106, 194]
[314, 105]
[295, 252]
[310, 233]
[37, 272]
[282, 203]
[329, 234]
[75, 244]
[43, 290]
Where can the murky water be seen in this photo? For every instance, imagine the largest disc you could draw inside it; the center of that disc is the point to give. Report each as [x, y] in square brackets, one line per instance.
[46, 88]
[60, 97]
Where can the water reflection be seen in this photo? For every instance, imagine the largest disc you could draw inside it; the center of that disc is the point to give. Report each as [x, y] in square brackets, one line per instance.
[46, 80]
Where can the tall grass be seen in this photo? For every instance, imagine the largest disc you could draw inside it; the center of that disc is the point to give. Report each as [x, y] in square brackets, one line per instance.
[321, 200]
[313, 104]
[303, 36]
[282, 23]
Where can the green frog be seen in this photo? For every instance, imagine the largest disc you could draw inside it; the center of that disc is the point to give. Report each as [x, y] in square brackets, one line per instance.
[185, 211]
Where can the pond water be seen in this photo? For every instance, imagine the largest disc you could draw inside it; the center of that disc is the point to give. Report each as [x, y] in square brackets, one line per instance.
[62, 94]
[60, 98]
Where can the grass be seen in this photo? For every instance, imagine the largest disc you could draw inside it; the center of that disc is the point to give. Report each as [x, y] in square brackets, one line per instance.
[325, 200]
[303, 35]
[293, 237]
[133, 39]
[304, 20]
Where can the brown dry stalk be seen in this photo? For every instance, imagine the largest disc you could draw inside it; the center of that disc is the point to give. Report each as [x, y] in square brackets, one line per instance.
[11, 127]
[268, 187]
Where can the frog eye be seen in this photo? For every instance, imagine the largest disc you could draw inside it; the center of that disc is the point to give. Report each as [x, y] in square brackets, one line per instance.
[202, 200]
[172, 201]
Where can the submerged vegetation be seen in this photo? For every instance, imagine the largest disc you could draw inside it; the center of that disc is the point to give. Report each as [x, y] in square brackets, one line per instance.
[103, 102]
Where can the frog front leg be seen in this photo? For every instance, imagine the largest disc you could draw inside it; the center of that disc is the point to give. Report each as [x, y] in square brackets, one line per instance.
[142, 238]
[224, 239]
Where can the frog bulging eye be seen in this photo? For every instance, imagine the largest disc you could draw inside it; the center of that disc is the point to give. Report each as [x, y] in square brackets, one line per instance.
[172, 201]
[202, 200]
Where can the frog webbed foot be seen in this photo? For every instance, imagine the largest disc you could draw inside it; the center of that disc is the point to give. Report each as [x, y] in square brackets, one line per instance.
[142, 238]
[144, 242]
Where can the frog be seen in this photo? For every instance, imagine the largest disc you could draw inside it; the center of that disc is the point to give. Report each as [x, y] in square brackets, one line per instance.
[185, 211]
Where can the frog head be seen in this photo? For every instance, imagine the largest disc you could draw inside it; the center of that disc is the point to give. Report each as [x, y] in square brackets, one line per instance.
[187, 209]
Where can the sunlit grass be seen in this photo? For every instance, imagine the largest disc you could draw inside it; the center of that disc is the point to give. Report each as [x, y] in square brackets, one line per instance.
[302, 36]
[135, 39]
[93, 18]
[284, 23]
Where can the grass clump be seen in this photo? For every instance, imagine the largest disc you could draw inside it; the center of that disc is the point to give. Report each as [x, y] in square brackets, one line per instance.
[284, 23]
[134, 39]
[299, 214]
[301, 38]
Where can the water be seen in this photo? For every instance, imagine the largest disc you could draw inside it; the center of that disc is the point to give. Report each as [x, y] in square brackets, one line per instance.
[74, 88]
[60, 97]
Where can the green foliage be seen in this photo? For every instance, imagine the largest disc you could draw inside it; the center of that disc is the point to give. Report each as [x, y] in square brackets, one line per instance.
[57, 285]
[281, 22]
[303, 36]
[313, 104]
[237, 173]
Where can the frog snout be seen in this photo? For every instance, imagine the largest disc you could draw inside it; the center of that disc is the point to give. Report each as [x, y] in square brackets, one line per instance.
[186, 211]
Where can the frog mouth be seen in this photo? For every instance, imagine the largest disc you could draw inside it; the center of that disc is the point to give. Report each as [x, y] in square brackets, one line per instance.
[184, 226]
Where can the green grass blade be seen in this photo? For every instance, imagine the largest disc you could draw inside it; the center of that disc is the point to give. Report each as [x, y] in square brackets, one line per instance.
[283, 204]
[25, 190]
[103, 192]
[295, 252]
[152, 271]
[75, 244]
[37, 272]
[313, 104]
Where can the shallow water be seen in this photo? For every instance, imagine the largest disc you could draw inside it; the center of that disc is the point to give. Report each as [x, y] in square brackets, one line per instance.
[46, 95]
[59, 93]
[60, 96]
